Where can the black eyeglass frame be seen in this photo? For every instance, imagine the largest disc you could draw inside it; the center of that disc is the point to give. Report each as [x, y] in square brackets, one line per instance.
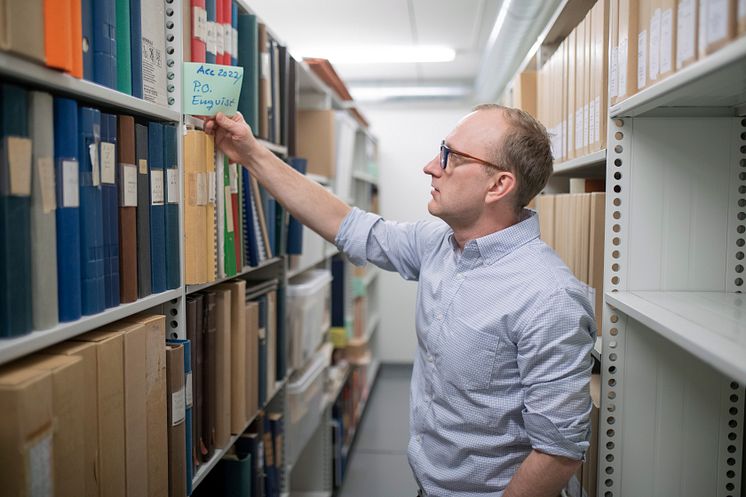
[445, 151]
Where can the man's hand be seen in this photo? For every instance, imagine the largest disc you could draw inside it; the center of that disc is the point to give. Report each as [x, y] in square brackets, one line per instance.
[541, 475]
[233, 136]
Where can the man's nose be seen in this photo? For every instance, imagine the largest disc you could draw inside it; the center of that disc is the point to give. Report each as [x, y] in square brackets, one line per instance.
[433, 167]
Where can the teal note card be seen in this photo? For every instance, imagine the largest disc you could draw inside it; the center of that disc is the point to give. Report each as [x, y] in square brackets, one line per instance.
[211, 88]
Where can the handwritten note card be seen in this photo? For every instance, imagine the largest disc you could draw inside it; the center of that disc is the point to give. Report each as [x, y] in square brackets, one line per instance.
[211, 88]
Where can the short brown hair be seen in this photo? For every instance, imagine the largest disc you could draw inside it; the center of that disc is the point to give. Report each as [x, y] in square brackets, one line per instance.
[525, 151]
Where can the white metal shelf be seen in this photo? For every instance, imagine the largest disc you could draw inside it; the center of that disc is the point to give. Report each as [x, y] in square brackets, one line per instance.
[92, 93]
[591, 165]
[360, 410]
[714, 85]
[372, 326]
[246, 270]
[709, 325]
[198, 123]
[14, 348]
[597, 349]
[368, 178]
[370, 275]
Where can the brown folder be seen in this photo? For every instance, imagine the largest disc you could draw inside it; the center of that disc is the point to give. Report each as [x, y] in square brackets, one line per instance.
[176, 403]
[209, 388]
[127, 171]
[191, 322]
[195, 208]
[22, 28]
[252, 357]
[223, 354]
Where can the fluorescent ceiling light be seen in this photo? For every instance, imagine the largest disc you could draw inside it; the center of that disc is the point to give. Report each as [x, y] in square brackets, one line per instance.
[381, 93]
[382, 54]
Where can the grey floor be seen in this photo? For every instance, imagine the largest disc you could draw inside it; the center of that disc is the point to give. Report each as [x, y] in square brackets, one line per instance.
[378, 465]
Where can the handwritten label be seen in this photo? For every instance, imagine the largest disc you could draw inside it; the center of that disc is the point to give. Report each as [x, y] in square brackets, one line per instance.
[95, 175]
[233, 176]
[45, 173]
[211, 88]
[172, 186]
[108, 163]
[70, 184]
[156, 187]
[19, 165]
[128, 186]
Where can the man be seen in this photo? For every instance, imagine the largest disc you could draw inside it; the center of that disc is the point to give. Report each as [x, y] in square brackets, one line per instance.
[499, 399]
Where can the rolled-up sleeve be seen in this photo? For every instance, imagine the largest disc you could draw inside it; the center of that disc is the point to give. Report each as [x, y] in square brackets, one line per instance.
[555, 367]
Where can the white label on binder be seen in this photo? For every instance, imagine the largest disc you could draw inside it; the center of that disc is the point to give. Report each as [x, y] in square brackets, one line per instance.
[642, 59]
[655, 44]
[219, 38]
[188, 392]
[19, 164]
[108, 163]
[666, 64]
[128, 186]
[178, 407]
[39, 467]
[614, 76]
[143, 163]
[212, 186]
[622, 57]
[234, 40]
[172, 186]
[685, 32]
[211, 38]
[45, 173]
[70, 184]
[717, 21]
[228, 40]
[586, 124]
[597, 132]
[233, 175]
[156, 187]
[199, 23]
[265, 65]
[228, 210]
[95, 175]
[201, 186]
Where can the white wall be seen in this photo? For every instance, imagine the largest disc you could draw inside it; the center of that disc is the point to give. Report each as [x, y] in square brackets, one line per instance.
[408, 137]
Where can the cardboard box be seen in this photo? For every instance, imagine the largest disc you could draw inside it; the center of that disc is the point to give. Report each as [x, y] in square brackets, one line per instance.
[722, 24]
[687, 40]
[587, 91]
[316, 141]
[613, 51]
[223, 351]
[524, 92]
[601, 29]
[668, 38]
[654, 44]
[135, 421]
[643, 42]
[571, 107]
[26, 432]
[110, 408]
[580, 84]
[627, 53]
[68, 407]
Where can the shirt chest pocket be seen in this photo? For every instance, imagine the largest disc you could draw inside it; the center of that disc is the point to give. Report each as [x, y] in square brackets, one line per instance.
[467, 357]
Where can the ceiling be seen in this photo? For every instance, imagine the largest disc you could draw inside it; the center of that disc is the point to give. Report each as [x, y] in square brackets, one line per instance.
[307, 26]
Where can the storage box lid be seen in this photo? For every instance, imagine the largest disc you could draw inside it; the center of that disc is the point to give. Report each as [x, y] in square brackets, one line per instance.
[310, 373]
[309, 282]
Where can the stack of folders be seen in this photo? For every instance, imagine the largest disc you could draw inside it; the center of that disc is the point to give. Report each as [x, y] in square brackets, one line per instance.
[120, 44]
[573, 225]
[89, 203]
[91, 413]
[230, 221]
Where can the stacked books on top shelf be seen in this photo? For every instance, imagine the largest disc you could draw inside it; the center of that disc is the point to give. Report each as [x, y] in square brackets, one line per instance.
[89, 206]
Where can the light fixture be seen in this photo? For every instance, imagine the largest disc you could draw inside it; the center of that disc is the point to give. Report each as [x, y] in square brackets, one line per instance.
[382, 93]
[381, 54]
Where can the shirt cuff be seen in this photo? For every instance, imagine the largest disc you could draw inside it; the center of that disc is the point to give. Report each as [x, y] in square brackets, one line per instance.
[352, 237]
[545, 437]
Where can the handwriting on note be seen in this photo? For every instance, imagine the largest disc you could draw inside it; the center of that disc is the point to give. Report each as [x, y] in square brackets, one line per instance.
[211, 88]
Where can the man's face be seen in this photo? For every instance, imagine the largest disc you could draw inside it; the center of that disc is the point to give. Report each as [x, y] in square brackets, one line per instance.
[459, 191]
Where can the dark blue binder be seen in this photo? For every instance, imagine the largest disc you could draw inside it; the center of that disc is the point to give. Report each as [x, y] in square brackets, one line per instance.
[234, 25]
[15, 219]
[189, 395]
[91, 218]
[136, 47]
[210, 7]
[250, 242]
[281, 352]
[68, 211]
[295, 228]
[173, 260]
[262, 363]
[110, 201]
[338, 292]
[86, 11]
[248, 46]
[268, 204]
[157, 208]
[105, 43]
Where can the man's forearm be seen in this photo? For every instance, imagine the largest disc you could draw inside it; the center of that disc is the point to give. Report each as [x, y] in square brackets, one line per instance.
[541, 475]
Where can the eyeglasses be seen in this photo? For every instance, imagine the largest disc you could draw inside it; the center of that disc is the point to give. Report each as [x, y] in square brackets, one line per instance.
[445, 151]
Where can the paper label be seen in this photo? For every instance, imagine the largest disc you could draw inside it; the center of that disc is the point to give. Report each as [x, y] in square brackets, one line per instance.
[188, 392]
[717, 21]
[227, 40]
[228, 210]
[19, 165]
[128, 186]
[172, 186]
[45, 174]
[592, 125]
[655, 44]
[234, 41]
[70, 184]
[219, 38]
[623, 53]
[200, 193]
[666, 64]
[265, 67]
[233, 177]
[642, 57]
[578, 129]
[156, 187]
[685, 32]
[108, 163]
[39, 467]
[586, 124]
[211, 41]
[597, 133]
[199, 23]
[143, 166]
[614, 76]
[178, 407]
[95, 174]
[211, 88]
[211, 187]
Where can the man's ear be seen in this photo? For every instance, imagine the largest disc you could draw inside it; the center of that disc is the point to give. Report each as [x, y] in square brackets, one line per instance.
[503, 184]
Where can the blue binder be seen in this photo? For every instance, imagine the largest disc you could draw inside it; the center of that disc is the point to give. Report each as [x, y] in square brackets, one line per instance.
[234, 25]
[110, 201]
[15, 221]
[136, 47]
[86, 11]
[173, 260]
[295, 228]
[105, 43]
[91, 219]
[210, 7]
[252, 252]
[188, 418]
[157, 208]
[68, 211]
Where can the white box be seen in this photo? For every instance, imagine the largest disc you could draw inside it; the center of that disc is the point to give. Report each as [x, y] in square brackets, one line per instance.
[305, 404]
[309, 313]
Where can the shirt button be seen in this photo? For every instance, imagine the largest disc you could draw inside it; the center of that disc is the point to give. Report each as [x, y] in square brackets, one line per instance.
[429, 358]
[460, 276]
[439, 316]
[419, 438]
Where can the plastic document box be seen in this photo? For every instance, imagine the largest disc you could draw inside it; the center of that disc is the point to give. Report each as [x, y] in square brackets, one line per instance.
[309, 304]
[305, 403]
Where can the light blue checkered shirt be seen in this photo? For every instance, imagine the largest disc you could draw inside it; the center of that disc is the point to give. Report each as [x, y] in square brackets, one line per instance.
[503, 362]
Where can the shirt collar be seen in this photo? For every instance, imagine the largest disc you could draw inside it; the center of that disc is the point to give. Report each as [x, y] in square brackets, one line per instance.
[494, 246]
